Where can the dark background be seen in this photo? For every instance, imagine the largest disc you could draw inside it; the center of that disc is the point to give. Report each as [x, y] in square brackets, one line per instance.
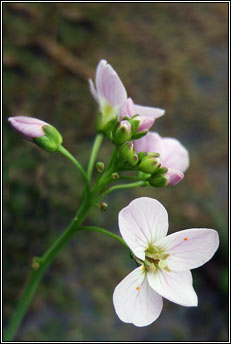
[169, 55]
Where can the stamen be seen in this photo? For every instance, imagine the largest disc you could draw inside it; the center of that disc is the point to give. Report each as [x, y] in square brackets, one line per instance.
[138, 288]
[185, 239]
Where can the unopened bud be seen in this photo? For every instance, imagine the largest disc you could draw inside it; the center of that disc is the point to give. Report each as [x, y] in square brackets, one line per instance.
[99, 166]
[122, 133]
[150, 163]
[115, 175]
[33, 129]
[128, 153]
[103, 206]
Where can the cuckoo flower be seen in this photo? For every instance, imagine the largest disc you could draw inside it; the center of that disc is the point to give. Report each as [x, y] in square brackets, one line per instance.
[111, 95]
[173, 155]
[165, 262]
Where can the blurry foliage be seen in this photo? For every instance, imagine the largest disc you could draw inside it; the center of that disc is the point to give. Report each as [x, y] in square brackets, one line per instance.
[170, 55]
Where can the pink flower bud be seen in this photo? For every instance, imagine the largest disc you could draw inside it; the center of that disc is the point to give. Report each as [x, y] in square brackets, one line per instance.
[145, 123]
[173, 177]
[28, 127]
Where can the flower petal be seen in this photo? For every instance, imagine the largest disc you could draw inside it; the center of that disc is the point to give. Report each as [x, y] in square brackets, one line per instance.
[190, 248]
[127, 109]
[176, 155]
[150, 143]
[93, 90]
[109, 86]
[148, 111]
[141, 223]
[174, 286]
[135, 302]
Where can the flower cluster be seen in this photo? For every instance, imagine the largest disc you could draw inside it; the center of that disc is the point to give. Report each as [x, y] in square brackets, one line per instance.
[161, 161]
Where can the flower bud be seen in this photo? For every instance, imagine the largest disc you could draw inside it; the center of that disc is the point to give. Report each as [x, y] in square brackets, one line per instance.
[140, 126]
[128, 153]
[115, 175]
[157, 180]
[43, 134]
[150, 163]
[100, 166]
[122, 133]
[165, 177]
[173, 177]
[103, 206]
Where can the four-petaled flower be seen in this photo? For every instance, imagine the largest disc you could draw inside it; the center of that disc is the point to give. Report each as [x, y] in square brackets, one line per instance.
[173, 155]
[111, 95]
[165, 262]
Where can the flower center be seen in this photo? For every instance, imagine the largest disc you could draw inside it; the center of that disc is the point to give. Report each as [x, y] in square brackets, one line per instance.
[155, 258]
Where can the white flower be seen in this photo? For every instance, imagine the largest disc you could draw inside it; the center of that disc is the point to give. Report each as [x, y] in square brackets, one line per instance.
[165, 262]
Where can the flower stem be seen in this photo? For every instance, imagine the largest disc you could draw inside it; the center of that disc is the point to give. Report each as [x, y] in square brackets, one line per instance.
[42, 264]
[122, 186]
[67, 154]
[105, 232]
[95, 149]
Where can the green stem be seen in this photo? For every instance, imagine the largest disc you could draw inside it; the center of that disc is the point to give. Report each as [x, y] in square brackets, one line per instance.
[105, 232]
[122, 186]
[67, 154]
[42, 264]
[95, 149]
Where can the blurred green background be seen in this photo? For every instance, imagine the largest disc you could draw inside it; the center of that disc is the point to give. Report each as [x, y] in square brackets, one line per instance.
[169, 55]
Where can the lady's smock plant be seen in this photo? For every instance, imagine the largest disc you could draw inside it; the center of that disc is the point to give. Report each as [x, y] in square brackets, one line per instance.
[164, 262]
[140, 159]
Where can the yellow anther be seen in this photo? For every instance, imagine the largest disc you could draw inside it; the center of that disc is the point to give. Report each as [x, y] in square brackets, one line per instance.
[143, 268]
[138, 288]
[165, 256]
[185, 239]
[166, 268]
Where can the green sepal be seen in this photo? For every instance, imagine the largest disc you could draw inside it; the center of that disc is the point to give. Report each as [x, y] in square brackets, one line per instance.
[157, 181]
[149, 164]
[53, 134]
[45, 143]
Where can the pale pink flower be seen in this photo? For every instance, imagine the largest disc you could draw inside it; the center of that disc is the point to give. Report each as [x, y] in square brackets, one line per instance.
[173, 155]
[110, 93]
[28, 127]
[165, 262]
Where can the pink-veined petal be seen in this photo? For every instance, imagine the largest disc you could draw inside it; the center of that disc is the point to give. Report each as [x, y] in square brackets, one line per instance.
[93, 90]
[176, 155]
[108, 85]
[127, 110]
[150, 143]
[29, 127]
[174, 286]
[135, 301]
[190, 248]
[141, 223]
[148, 111]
